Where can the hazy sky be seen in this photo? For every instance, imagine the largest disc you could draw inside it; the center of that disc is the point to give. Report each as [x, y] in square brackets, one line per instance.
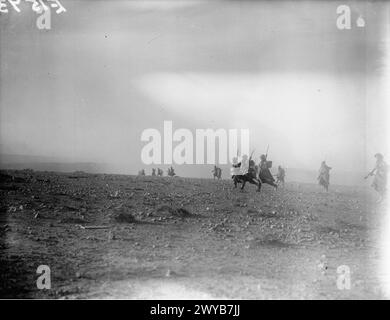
[86, 89]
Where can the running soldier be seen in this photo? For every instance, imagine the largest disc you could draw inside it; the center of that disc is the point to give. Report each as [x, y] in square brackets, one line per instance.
[324, 176]
[280, 176]
[217, 172]
[380, 178]
[265, 174]
[243, 172]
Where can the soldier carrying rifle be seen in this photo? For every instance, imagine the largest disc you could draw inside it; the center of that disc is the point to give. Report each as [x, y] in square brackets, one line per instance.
[380, 178]
[265, 174]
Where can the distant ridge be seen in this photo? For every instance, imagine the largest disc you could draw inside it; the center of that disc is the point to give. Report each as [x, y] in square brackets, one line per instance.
[41, 163]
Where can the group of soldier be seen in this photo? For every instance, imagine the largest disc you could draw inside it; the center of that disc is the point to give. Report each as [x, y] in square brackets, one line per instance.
[379, 172]
[248, 171]
[159, 173]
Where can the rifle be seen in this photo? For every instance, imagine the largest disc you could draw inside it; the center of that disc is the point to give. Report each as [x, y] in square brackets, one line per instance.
[369, 175]
[266, 153]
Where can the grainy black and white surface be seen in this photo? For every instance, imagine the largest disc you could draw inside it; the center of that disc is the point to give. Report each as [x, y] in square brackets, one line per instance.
[309, 81]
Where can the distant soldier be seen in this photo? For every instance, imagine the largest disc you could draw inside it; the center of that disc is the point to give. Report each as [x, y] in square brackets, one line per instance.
[280, 176]
[323, 175]
[217, 172]
[160, 173]
[141, 172]
[153, 172]
[265, 174]
[171, 172]
[380, 178]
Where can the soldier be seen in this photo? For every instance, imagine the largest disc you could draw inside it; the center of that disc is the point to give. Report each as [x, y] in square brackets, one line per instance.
[252, 169]
[235, 170]
[323, 175]
[153, 172]
[244, 171]
[141, 172]
[265, 174]
[171, 172]
[380, 178]
[219, 173]
[242, 166]
[280, 175]
[160, 172]
[215, 172]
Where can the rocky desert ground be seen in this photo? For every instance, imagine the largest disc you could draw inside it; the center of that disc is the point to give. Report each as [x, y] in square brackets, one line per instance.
[116, 236]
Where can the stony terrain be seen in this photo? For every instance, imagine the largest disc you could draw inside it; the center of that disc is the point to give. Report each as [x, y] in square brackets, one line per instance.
[184, 238]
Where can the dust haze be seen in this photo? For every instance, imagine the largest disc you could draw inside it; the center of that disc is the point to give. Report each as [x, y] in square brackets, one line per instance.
[84, 91]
